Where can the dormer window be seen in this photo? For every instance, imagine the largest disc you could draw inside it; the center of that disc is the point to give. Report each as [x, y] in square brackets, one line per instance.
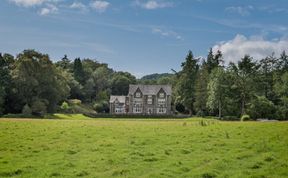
[161, 95]
[138, 95]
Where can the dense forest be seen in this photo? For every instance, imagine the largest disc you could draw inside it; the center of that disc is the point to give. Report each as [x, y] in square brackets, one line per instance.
[31, 83]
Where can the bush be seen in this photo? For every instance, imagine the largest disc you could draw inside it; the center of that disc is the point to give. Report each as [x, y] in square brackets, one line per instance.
[101, 107]
[65, 106]
[230, 118]
[180, 108]
[26, 110]
[245, 117]
[261, 107]
[282, 113]
[39, 108]
[75, 101]
[200, 113]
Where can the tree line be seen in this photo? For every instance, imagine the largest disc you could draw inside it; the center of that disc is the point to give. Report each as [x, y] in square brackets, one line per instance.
[32, 83]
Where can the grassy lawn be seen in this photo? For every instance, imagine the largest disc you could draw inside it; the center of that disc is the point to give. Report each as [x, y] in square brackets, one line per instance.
[142, 148]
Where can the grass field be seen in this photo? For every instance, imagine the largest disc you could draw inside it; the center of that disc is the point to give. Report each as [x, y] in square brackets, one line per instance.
[142, 148]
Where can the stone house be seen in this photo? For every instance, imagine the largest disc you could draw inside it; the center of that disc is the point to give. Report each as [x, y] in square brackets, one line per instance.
[118, 104]
[143, 99]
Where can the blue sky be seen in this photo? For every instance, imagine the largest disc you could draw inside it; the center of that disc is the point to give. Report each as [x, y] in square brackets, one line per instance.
[144, 36]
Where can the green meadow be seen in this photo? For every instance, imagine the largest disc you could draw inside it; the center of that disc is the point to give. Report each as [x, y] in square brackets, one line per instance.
[102, 148]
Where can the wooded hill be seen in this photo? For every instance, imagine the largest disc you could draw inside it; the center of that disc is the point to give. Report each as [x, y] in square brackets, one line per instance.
[31, 83]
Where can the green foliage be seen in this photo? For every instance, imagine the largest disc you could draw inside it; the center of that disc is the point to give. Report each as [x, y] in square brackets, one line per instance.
[120, 83]
[78, 71]
[230, 118]
[36, 78]
[256, 88]
[39, 107]
[217, 91]
[261, 107]
[26, 110]
[201, 90]
[245, 117]
[185, 89]
[101, 107]
[65, 106]
[213, 61]
[5, 80]
[281, 112]
[244, 80]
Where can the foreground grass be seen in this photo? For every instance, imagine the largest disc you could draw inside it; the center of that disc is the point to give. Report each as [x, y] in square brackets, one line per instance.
[139, 148]
[67, 116]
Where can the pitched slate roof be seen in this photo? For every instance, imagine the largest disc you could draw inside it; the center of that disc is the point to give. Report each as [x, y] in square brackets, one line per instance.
[150, 89]
[121, 99]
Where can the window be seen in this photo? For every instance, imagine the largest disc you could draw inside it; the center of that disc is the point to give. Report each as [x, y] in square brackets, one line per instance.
[149, 100]
[161, 110]
[161, 102]
[161, 95]
[138, 103]
[138, 95]
[137, 109]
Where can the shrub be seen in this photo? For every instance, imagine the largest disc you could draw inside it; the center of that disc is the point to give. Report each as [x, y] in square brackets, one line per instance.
[261, 107]
[65, 106]
[282, 113]
[230, 118]
[245, 117]
[75, 101]
[200, 113]
[180, 108]
[101, 107]
[39, 108]
[26, 110]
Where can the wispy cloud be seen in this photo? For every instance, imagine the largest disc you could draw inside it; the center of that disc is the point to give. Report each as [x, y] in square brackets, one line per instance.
[78, 5]
[152, 4]
[235, 49]
[27, 3]
[100, 6]
[243, 11]
[167, 33]
[49, 9]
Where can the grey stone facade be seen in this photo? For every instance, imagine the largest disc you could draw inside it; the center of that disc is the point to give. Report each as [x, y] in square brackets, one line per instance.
[143, 99]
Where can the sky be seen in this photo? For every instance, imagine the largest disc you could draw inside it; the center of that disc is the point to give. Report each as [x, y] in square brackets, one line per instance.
[144, 36]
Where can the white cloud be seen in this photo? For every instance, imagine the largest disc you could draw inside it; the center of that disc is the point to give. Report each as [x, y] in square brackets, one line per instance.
[256, 47]
[100, 6]
[27, 3]
[153, 4]
[49, 9]
[243, 11]
[167, 33]
[78, 5]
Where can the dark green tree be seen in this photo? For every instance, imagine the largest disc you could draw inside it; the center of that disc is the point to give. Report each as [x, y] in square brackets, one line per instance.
[201, 90]
[37, 80]
[186, 82]
[266, 76]
[281, 88]
[244, 75]
[5, 80]
[65, 63]
[78, 71]
[120, 83]
[213, 61]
